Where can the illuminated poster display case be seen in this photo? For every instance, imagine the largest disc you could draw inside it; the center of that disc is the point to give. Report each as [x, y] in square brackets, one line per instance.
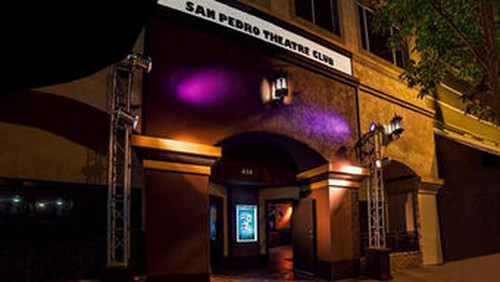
[213, 222]
[246, 223]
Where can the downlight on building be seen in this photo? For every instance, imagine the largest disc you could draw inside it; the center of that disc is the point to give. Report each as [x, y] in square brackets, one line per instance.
[246, 143]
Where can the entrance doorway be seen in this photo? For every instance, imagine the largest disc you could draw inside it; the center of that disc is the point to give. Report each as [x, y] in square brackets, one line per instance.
[270, 224]
[279, 244]
[279, 223]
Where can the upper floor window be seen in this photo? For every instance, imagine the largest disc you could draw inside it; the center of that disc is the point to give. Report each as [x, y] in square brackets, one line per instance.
[323, 13]
[376, 43]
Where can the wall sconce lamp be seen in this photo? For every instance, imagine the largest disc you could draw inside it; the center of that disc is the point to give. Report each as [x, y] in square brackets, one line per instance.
[394, 130]
[279, 87]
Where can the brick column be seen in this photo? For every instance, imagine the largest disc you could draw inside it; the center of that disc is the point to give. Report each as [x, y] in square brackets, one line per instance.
[176, 192]
[335, 189]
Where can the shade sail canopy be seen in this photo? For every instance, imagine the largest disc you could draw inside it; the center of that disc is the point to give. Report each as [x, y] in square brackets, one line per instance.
[49, 42]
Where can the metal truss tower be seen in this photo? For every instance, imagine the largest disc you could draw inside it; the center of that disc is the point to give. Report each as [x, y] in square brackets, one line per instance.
[122, 124]
[371, 155]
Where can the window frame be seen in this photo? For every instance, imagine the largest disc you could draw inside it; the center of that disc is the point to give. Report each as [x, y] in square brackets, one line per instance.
[313, 18]
[366, 38]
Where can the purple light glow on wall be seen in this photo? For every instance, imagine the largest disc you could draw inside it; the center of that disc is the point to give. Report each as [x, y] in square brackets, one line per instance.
[207, 87]
[329, 124]
[320, 122]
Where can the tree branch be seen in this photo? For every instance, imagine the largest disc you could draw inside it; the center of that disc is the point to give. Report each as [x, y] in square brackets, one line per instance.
[460, 34]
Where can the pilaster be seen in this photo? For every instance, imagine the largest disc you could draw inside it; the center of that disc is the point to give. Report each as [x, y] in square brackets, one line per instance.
[176, 189]
[335, 189]
[430, 237]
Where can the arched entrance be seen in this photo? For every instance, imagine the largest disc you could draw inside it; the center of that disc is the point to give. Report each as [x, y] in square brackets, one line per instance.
[255, 202]
[401, 186]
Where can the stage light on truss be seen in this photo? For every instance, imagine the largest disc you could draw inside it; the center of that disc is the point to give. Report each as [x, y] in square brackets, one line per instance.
[139, 61]
[131, 120]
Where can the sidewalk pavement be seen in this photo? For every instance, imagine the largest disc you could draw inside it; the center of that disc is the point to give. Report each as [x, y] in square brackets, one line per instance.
[479, 269]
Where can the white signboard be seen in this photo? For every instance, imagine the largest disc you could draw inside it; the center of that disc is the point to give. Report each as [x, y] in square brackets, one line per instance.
[240, 21]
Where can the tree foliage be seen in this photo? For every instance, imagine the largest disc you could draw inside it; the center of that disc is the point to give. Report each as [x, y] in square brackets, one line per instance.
[448, 38]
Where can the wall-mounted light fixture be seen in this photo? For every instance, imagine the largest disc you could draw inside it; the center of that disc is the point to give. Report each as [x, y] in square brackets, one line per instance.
[279, 87]
[394, 130]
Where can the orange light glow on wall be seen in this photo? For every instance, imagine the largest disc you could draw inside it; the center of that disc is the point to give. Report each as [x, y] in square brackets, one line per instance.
[339, 183]
[283, 219]
[288, 214]
[350, 169]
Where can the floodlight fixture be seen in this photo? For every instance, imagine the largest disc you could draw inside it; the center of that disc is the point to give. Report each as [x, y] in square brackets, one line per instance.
[380, 163]
[129, 119]
[139, 61]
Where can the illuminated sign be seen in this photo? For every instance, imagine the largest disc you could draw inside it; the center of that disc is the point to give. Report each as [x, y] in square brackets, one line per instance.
[253, 26]
[246, 223]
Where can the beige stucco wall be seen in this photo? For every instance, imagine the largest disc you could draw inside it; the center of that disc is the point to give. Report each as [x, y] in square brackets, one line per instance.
[30, 153]
[37, 154]
[390, 96]
[415, 148]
